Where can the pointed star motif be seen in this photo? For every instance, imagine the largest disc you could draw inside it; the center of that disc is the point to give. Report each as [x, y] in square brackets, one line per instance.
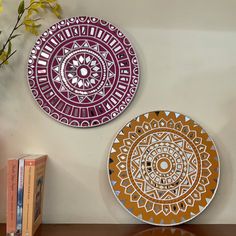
[158, 170]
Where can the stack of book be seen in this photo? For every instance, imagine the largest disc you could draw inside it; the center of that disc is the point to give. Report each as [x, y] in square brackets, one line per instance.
[25, 185]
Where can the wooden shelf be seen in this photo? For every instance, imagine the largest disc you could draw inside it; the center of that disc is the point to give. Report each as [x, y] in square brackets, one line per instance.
[128, 230]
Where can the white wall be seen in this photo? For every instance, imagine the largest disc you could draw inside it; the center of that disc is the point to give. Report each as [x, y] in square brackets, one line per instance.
[187, 51]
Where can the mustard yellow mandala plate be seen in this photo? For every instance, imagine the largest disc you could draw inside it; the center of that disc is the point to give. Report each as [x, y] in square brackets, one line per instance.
[163, 168]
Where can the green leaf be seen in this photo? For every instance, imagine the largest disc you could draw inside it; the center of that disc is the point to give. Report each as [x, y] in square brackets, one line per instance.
[3, 57]
[9, 48]
[21, 7]
[36, 26]
[1, 8]
[14, 36]
[56, 9]
[31, 10]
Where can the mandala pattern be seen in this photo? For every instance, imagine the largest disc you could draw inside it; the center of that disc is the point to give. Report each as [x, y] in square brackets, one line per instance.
[163, 168]
[83, 71]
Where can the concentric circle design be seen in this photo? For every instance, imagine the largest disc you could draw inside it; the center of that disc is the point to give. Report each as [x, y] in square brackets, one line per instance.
[83, 71]
[163, 168]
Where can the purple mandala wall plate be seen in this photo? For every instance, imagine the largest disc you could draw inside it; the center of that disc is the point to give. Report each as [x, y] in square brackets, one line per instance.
[83, 71]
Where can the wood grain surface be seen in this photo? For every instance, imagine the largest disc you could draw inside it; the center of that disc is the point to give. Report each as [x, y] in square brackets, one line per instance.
[128, 230]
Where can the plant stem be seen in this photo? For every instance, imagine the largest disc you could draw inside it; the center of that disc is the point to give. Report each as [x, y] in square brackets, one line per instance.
[13, 30]
[16, 26]
[19, 26]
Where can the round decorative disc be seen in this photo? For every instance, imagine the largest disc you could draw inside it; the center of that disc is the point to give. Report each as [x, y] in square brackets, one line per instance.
[83, 71]
[163, 168]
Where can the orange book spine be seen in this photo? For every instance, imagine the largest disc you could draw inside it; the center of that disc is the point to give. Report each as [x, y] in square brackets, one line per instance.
[12, 176]
[33, 191]
[29, 179]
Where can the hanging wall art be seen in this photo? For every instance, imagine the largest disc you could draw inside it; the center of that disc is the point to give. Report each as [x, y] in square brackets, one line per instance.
[163, 168]
[83, 71]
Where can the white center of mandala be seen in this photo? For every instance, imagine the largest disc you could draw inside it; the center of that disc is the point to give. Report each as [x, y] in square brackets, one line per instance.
[83, 71]
[164, 165]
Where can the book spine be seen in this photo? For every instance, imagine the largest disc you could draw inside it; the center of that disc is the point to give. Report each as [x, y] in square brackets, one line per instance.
[29, 180]
[12, 175]
[39, 181]
[20, 195]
